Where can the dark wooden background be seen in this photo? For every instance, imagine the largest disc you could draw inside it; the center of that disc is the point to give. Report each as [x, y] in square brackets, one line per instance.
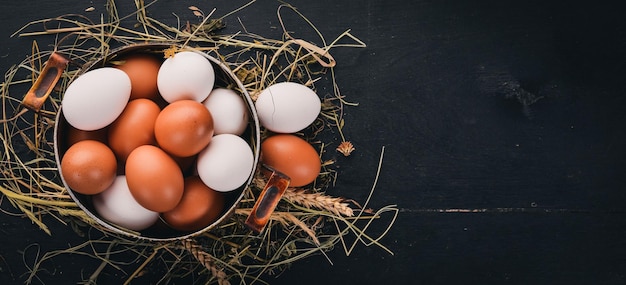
[503, 128]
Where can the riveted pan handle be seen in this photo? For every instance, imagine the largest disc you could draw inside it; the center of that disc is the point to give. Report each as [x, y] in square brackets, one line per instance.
[267, 201]
[43, 86]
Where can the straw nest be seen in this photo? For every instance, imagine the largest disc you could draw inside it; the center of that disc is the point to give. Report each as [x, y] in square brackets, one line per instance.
[306, 222]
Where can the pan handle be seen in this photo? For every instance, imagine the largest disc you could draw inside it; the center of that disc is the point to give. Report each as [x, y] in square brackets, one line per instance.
[267, 201]
[48, 78]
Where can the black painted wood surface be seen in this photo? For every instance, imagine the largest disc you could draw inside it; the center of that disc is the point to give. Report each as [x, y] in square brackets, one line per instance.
[503, 128]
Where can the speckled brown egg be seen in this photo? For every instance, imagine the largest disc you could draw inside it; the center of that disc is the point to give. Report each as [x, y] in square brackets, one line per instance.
[88, 167]
[292, 156]
[199, 207]
[184, 128]
[154, 178]
[133, 128]
[142, 69]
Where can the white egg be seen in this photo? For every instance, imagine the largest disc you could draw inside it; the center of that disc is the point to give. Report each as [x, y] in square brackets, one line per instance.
[186, 75]
[95, 99]
[117, 205]
[226, 163]
[229, 111]
[287, 107]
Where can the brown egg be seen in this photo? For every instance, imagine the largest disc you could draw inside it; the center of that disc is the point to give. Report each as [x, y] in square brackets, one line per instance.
[88, 167]
[154, 179]
[142, 69]
[133, 128]
[292, 156]
[184, 128]
[199, 207]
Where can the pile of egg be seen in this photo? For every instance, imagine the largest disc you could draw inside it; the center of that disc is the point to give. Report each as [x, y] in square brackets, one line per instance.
[151, 139]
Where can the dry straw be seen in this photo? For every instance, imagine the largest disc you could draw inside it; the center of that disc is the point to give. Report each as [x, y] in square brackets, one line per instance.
[306, 222]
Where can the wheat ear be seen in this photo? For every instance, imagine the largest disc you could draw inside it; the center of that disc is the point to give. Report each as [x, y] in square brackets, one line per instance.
[320, 201]
[205, 259]
[316, 200]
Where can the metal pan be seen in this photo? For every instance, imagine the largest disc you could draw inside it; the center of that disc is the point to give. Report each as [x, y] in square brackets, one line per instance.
[160, 231]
